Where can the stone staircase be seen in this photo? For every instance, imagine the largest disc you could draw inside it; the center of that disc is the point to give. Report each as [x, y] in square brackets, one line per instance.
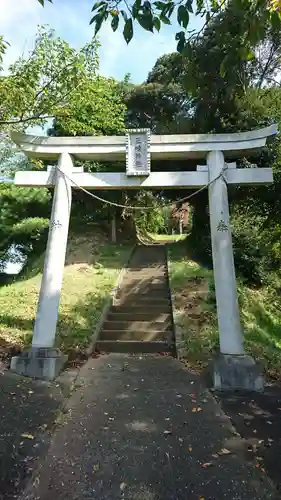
[140, 318]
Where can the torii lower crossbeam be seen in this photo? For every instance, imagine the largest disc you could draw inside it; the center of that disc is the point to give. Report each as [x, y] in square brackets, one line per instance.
[156, 180]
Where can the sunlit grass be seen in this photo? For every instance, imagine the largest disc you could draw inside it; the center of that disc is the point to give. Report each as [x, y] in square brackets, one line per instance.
[167, 237]
[89, 276]
[194, 298]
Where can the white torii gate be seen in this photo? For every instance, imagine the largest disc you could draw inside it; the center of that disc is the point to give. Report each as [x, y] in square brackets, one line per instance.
[233, 368]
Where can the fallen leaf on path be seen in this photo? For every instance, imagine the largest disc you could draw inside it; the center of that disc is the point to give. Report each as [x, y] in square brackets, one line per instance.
[224, 451]
[269, 422]
[96, 467]
[206, 465]
[27, 436]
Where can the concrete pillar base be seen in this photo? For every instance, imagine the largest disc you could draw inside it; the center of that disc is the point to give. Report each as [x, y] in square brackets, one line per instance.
[39, 362]
[232, 372]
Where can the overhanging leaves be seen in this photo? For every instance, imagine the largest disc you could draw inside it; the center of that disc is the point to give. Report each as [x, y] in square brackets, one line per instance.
[128, 30]
[115, 22]
[181, 41]
[183, 16]
[146, 21]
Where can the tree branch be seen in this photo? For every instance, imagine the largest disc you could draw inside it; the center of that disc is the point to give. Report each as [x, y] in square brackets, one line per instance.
[24, 120]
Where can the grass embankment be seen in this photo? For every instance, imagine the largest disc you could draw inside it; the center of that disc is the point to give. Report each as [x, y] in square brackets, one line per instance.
[194, 297]
[91, 269]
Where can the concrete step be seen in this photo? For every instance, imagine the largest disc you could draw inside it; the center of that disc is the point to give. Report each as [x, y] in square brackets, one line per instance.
[132, 346]
[141, 285]
[145, 288]
[140, 321]
[148, 270]
[141, 308]
[135, 326]
[144, 303]
[141, 316]
[146, 276]
[146, 296]
[135, 335]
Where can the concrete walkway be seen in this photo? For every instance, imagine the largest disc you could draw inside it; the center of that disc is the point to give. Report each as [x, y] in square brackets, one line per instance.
[145, 428]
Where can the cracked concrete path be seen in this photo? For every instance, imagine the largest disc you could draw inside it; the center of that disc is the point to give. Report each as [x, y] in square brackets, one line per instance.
[145, 428]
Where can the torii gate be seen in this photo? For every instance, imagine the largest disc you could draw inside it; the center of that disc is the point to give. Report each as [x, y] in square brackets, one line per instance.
[233, 369]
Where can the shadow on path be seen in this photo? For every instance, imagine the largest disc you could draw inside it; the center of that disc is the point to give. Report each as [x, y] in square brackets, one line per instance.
[257, 418]
[28, 410]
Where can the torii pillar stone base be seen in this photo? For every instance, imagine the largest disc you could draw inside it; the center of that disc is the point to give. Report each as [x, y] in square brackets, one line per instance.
[39, 362]
[43, 360]
[233, 369]
[232, 372]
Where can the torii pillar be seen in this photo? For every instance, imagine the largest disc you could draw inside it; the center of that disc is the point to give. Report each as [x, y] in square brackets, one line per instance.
[233, 369]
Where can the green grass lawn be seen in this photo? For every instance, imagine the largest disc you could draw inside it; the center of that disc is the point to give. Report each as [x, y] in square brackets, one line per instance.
[194, 297]
[91, 270]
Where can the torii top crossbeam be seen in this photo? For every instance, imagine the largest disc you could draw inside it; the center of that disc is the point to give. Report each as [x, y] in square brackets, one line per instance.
[162, 147]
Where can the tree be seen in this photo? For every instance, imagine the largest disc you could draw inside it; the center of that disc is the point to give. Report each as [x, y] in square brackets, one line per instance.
[217, 82]
[151, 16]
[255, 15]
[39, 87]
[96, 110]
[53, 81]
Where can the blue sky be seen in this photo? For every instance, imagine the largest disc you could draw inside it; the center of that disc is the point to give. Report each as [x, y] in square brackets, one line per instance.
[70, 18]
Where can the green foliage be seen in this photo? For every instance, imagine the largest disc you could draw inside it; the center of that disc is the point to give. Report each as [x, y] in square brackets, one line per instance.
[43, 2]
[3, 47]
[18, 226]
[41, 85]
[154, 220]
[161, 103]
[97, 109]
[254, 17]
